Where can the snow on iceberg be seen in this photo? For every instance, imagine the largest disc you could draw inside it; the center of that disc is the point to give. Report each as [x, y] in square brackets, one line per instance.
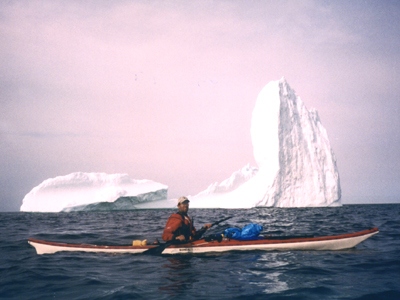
[92, 191]
[296, 165]
[237, 179]
[296, 168]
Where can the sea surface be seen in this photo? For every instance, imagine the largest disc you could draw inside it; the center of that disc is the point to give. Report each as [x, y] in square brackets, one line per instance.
[369, 271]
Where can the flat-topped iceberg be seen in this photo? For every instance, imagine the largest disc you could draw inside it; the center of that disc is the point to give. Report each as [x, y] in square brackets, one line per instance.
[296, 165]
[92, 191]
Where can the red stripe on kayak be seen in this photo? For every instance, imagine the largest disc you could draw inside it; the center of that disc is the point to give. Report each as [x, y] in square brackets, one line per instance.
[202, 243]
[86, 246]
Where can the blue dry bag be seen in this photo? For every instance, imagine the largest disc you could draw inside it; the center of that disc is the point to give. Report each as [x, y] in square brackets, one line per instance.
[233, 233]
[248, 232]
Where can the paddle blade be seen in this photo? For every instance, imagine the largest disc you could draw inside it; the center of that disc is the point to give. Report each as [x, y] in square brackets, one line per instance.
[157, 250]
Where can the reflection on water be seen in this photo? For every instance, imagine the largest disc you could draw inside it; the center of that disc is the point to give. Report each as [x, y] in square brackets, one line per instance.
[178, 275]
[266, 271]
[271, 268]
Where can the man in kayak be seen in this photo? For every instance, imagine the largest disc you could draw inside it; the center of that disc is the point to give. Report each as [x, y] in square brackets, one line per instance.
[180, 227]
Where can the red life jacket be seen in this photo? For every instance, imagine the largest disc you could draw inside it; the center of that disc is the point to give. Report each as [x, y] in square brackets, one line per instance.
[178, 224]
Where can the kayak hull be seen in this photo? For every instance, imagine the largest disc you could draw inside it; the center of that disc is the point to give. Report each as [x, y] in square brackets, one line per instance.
[335, 242]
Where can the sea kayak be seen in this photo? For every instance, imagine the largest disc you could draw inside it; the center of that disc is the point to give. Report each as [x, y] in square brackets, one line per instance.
[333, 242]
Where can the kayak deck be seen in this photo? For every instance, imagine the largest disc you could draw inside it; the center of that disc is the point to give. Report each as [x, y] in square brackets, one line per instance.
[334, 242]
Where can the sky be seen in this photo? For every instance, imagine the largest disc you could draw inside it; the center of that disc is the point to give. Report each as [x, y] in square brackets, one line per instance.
[164, 90]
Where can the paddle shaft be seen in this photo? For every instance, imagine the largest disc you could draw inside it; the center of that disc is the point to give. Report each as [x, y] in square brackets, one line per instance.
[203, 230]
[161, 248]
[220, 221]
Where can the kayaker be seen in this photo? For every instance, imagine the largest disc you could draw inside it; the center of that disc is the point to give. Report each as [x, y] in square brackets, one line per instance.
[180, 227]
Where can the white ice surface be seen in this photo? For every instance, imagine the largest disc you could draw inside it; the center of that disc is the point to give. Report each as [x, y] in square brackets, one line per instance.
[296, 168]
[77, 189]
[296, 165]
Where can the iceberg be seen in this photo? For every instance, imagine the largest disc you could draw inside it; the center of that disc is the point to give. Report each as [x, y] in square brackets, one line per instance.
[296, 167]
[296, 164]
[92, 191]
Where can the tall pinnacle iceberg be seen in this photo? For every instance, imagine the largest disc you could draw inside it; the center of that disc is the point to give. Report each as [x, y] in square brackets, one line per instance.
[296, 165]
[291, 146]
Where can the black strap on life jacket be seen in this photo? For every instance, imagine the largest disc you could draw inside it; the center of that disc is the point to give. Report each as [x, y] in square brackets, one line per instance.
[185, 229]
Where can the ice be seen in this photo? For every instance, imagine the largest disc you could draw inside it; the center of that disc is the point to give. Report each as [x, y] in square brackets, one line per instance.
[296, 165]
[83, 191]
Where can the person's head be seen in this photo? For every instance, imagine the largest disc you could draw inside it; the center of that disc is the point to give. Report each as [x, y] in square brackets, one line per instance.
[183, 204]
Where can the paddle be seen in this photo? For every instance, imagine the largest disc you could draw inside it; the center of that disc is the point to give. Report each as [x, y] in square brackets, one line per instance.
[158, 250]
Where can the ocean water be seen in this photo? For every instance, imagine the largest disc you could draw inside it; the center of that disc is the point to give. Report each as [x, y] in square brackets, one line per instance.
[369, 271]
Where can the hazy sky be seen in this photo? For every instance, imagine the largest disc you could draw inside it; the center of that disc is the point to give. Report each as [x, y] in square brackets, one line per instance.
[164, 90]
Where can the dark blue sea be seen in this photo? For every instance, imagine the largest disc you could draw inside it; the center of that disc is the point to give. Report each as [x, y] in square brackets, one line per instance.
[369, 271]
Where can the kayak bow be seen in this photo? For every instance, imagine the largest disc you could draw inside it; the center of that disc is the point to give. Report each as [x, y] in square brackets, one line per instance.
[334, 242]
